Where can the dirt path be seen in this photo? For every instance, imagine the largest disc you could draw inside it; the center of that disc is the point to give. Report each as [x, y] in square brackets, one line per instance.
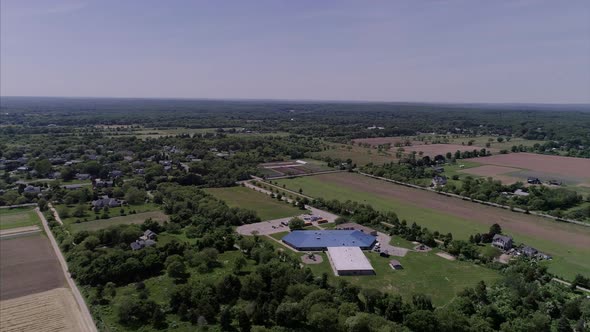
[55, 214]
[18, 231]
[86, 317]
[572, 235]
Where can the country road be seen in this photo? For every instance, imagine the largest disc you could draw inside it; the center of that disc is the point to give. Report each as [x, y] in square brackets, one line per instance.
[86, 317]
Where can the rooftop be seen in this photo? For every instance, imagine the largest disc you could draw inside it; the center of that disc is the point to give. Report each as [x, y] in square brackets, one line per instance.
[329, 238]
[349, 258]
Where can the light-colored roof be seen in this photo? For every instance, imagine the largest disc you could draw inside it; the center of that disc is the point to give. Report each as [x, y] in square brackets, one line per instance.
[349, 258]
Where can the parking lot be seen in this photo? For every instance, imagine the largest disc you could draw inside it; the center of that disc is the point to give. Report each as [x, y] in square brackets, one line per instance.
[281, 225]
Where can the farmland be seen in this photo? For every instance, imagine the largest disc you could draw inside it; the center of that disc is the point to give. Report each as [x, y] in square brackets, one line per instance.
[573, 171]
[359, 155]
[440, 149]
[20, 217]
[137, 218]
[262, 204]
[568, 243]
[289, 168]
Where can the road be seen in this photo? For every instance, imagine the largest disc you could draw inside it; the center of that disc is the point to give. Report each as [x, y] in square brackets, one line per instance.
[86, 317]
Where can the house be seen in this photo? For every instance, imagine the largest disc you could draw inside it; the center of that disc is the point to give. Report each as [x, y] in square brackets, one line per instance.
[98, 183]
[502, 242]
[533, 180]
[72, 186]
[395, 264]
[32, 190]
[520, 192]
[140, 244]
[22, 169]
[54, 175]
[82, 176]
[115, 174]
[439, 181]
[148, 235]
[529, 251]
[105, 201]
[439, 169]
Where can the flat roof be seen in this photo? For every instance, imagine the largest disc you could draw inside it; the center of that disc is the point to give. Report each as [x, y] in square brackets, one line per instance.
[349, 259]
[329, 238]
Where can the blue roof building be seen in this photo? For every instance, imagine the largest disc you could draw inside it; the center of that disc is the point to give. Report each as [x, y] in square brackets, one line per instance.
[322, 239]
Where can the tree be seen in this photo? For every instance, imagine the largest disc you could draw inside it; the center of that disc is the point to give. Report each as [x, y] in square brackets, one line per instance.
[225, 319]
[43, 167]
[42, 203]
[296, 224]
[422, 302]
[244, 321]
[135, 196]
[228, 289]
[177, 271]
[495, 229]
[422, 321]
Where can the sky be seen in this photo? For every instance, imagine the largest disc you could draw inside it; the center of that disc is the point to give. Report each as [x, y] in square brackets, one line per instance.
[517, 51]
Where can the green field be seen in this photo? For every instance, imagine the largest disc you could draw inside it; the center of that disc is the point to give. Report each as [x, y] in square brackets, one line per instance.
[266, 207]
[568, 260]
[137, 218]
[113, 212]
[19, 217]
[358, 155]
[423, 273]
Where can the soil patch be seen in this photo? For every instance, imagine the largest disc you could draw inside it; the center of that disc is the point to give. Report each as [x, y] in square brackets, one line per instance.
[317, 259]
[28, 265]
[50, 311]
[446, 256]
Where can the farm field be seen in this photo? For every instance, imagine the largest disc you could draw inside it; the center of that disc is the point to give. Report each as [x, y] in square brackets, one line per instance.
[423, 273]
[137, 218]
[49, 311]
[481, 141]
[442, 149]
[496, 172]
[568, 243]
[359, 155]
[575, 171]
[293, 167]
[28, 265]
[262, 204]
[375, 141]
[19, 217]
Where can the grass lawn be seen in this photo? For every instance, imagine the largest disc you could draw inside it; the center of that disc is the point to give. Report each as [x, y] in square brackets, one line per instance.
[266, 207]
[567, 262]
[19, 217]
[279, 235]
[423, 273]
[137, 218]
[113, 212]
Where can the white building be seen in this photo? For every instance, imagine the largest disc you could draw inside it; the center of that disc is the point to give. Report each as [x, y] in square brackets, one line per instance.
[347, 261]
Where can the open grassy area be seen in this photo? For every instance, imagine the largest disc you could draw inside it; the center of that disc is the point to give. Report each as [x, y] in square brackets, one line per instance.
[19, 217]
[359, 155]
[266, 207]
[481, 141]
[423, 273]
[137, 218]
[568, 260]
[89, 216]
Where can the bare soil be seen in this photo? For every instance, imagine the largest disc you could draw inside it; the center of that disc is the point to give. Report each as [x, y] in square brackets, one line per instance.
[28, 265]
[50, 311]
[541, 228]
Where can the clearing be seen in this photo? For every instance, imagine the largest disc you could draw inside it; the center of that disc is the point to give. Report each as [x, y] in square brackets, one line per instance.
[137, 218]
[19, 217]
[496, 172]
[442, 149]
[262, 204]
[568, 243]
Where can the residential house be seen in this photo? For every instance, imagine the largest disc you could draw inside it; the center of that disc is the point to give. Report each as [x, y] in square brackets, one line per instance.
[32, 190]
[115, 174]
[529, 251]
[148, 235]
[140, 244]
[83, 176]
[502, 242]
[98, 183]
[533, 180]
[106, 201]
[520, 192]
[72, 186]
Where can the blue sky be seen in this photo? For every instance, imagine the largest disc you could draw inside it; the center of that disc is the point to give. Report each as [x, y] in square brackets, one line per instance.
[447, 51]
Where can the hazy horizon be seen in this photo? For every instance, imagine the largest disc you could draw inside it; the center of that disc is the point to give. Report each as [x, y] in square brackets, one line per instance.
[510, 52]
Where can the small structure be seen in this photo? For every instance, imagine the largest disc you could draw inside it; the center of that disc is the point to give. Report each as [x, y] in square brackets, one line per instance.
[395, 264]
[349, 261]
[98, 183]
[502, 242]
[148, 235]
[422, 248]
[72, 186]
[529, 251]
[115, 174]
[520, 192]
[533, 180]
[32, 190]
[82, 176]
[439, 181]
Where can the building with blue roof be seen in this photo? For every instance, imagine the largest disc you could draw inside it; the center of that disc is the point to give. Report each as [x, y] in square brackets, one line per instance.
[318, 240]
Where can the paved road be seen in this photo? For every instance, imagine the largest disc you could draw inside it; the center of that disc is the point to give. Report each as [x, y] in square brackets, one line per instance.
[86, 317]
